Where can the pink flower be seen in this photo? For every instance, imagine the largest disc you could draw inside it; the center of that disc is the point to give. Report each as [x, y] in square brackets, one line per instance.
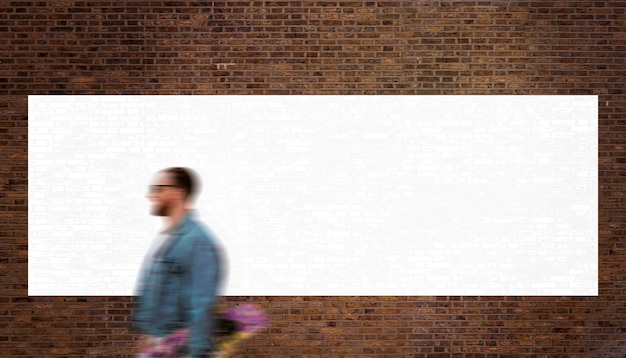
[248, 317]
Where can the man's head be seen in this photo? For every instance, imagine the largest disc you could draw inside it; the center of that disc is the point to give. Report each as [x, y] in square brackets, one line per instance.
[172, 188]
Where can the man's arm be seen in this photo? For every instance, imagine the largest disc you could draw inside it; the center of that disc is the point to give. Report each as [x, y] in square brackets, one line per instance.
[203, 285]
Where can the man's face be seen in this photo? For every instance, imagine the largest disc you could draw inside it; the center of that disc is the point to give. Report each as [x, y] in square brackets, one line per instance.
[163, 194]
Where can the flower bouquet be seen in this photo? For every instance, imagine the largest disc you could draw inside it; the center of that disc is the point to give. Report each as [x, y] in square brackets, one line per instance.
[236, 325]
[232, 328]
[171, 346]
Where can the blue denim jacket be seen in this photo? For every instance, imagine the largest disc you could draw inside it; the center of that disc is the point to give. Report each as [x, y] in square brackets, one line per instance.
[179, 286]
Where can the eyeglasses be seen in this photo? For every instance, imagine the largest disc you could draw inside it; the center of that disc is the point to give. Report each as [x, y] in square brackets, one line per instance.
[158, 188]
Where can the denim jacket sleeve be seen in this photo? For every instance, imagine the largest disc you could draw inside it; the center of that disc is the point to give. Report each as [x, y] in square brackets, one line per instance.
[201, 286]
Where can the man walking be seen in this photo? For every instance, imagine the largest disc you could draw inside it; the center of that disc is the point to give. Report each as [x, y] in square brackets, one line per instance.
[180, 277]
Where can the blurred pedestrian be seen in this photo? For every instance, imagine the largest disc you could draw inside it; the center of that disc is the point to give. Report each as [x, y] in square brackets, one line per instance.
[179, 281]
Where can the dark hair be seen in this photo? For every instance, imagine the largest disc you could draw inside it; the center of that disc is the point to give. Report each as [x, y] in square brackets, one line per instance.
[185, 179]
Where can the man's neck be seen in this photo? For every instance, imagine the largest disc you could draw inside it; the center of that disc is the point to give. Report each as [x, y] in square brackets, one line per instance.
[174, 218]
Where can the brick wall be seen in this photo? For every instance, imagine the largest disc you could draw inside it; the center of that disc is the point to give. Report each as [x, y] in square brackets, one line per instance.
[321, 47]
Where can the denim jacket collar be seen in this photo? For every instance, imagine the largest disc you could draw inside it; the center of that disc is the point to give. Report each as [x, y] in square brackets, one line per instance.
[182, 226]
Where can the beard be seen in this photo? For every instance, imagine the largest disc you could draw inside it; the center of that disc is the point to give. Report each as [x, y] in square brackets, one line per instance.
[160, 210]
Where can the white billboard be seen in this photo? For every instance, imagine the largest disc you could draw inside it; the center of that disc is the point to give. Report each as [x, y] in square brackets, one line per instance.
[323, 195]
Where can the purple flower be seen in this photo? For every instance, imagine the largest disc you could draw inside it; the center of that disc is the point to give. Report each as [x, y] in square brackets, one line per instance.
[248, 317]
[169, 346]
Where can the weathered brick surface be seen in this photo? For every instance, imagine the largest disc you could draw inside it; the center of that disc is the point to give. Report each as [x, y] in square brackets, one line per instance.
[321, 47]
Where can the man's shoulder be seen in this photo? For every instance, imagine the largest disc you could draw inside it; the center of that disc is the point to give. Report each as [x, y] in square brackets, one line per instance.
[199, 233]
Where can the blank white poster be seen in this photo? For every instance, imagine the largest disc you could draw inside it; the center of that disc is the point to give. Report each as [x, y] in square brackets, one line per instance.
[323, 195]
